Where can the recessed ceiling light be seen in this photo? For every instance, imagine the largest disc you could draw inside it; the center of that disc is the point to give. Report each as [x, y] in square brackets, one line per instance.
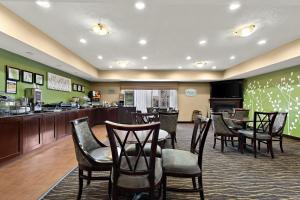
[44, 4]
[140, 5]
[179, 67]
[203, 42]
[244, 31]
[201, 63]
[262, 42]
[214, 67]
[144, 57]
[100, 29]
[188, 58]
[100, 57]
[83, 41]
[232, 57]
[123, 63]
[145, 67]
[142, 42]
[234, 6]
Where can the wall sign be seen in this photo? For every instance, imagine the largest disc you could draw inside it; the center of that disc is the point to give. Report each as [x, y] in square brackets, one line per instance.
[56, 82]
[190, 92]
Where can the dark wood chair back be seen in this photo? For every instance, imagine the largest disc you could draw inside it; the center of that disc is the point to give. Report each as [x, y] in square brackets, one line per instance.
[263, 123]
[201, 128]
[144, 118]
[119, 136]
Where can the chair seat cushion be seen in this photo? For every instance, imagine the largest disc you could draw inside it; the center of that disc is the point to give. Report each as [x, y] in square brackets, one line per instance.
[249, 134]
[180, 162]
[102, 154]
[131, 150]
[140, 181]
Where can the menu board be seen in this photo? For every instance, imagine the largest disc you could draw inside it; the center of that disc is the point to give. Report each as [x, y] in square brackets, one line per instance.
[57, 82]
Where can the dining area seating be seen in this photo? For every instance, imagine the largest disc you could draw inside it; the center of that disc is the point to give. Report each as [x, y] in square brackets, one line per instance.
[143, 168]
[263, 128]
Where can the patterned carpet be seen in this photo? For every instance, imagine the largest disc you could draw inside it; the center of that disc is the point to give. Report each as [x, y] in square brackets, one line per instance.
[228, 175]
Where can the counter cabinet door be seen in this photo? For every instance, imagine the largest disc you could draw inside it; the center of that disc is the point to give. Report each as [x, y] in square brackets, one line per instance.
[60, 125]
[49, 128]
[32, 132]
[10, 137]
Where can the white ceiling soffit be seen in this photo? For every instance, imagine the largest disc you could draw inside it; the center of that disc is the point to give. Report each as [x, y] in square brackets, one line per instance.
[173, 29]
[18, 47]
[278, 66]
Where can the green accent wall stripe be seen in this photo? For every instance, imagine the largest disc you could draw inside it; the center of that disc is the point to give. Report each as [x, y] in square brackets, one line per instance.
[276, 91]
[49, 96]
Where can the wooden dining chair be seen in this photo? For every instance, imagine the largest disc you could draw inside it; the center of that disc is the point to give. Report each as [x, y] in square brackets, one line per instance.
[91, 154]
[139, 173]
[278, 128]
[168, 122]
[262, 131]
[187, 164]
[143, 118]
[222, 131]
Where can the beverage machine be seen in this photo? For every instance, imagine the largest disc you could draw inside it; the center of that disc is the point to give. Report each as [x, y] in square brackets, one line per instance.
[34, 96]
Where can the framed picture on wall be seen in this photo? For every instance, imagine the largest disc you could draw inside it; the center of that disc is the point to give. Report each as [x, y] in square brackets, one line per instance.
[27, 77]
[11, 87]
[12, 73]
[75, 87]
[79, 88]
[39, 79]
[82, 89]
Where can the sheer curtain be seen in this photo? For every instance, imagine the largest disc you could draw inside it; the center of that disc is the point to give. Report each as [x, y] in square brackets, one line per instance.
[142, 99]
[173, 99]
[148, 98]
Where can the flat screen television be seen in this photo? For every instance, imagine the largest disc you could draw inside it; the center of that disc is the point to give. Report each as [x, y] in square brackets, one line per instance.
[227, 89]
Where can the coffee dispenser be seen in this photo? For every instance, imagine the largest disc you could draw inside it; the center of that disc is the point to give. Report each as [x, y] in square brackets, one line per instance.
[34, 96]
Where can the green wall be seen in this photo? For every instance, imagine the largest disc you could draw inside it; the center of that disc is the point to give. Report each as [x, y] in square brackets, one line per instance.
[276, 91]
[49, 96]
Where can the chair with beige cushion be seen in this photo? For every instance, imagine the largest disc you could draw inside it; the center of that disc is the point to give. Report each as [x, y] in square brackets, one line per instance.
[278, 127]
[91, 154]
[221, 130]
[168, 122]
[187, 164]
[262, 131]
[134, 174]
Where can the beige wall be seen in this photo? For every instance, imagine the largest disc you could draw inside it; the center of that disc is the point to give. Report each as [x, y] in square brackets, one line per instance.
[186, 105]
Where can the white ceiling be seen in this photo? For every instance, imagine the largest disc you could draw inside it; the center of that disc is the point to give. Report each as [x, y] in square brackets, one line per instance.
[172, 28]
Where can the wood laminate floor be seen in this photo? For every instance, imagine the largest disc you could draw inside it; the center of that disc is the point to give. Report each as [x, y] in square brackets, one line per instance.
[31, 175]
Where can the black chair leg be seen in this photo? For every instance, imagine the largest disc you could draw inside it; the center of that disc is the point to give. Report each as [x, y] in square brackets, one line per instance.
[215, 140]
[258, 147]
[222, 144]
[80, 173]
[271, 148]
[194, 183]
[173, 142]
[225, 140]
[254, 147]
[164, 187]
[232, 143]
[280, 143]
[89, 177]
[201, 187]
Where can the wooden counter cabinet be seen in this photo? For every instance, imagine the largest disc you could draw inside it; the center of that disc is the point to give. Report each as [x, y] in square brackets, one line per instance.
[10, 137]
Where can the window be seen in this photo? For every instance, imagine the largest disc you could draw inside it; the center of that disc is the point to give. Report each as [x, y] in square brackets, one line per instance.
[142, 99]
